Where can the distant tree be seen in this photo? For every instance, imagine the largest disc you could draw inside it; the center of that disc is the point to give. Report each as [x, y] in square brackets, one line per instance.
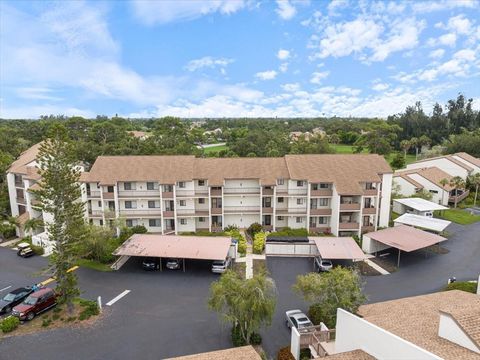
[444, 182]
[405, 145]
[32, 225]
[379, 138]
[423, 194]
[398, 161]
[474, 182]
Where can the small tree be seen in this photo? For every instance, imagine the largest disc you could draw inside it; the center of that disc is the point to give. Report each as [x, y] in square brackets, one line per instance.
[474, 181]
[457, 183]
[444, 182]
[405, 145]
[398, 161]
[246, 304]
[32, 225]
[338, 288]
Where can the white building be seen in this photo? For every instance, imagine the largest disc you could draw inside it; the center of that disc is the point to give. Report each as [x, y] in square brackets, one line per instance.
[417, 206]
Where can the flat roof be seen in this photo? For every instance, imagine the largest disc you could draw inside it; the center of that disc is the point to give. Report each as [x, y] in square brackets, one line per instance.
[416, 319]
[424, 222]
[420, 204]
[173, 246]
[238, 353]
[405, 238]
[338, 248]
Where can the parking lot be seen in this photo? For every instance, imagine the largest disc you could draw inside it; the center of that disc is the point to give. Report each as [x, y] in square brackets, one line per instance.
[165, 313]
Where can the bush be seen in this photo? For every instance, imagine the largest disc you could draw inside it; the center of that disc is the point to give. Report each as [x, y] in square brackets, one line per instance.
[9, 324]
[242, 242]
[90, 308]
[255, 339]
[46, 322]
[38, 250]
[237, 339]
[259, 242]
[242, 246]
[138, 229]
[285, 354]
[462, 285]
[290, 232]
[231, 228]
[305, 354]
[254, 229]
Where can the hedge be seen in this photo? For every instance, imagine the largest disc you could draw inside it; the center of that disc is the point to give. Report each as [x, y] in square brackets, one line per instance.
[290, 232]
[259, 242]
[9, 324]
[242, 242]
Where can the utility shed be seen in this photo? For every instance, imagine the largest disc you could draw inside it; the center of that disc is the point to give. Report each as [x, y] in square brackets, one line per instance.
[424, 222]
[402, 237]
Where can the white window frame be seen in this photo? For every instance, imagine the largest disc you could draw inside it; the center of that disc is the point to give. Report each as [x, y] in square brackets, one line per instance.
[183, 203]
[181, 184]
[300, 201]
[299, 219]
[280, 181]
[183, 221]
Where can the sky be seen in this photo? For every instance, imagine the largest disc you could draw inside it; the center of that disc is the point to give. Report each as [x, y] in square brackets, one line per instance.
[223, 58]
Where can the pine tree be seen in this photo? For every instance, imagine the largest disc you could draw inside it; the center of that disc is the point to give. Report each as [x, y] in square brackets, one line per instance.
[60, 196]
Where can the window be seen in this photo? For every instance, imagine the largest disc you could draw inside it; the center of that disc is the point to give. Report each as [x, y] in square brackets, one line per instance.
[300, 201]
[183, 221]
[267, 220]
[368, 203]
[201, 200]
[434, 191]
[280, 200]
[369, 186]
[280, 218]
[216, 203]
[110, 189]
[323, 202]
[314, 186]
[267, 202]
[101, 222]
[366, 220]
[299, 183]
[322, 220]
[129, 222]
[183, 202]
[127, 186]
[130, 204]
[299, 219]
[324, 186]
[167, 188]
[154, 222]
[181, 184]
[111, 205]
[201, 182]
[280, 181]
[201, 219]
[152, 204]
[150, 186]
[99, 204]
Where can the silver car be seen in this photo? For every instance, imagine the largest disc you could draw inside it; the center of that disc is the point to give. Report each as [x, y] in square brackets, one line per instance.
[323, 264]
[220, 266]
[297, 319]
[173, 264]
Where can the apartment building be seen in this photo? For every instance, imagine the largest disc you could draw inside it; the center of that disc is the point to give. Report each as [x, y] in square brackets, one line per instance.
[342, 194]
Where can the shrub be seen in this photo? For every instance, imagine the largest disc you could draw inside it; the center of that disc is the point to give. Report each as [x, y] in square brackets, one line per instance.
[242, 246]
[259, 242]
[242, 243]
[71, 318]
[305, 354]
[285, 354]
[38, 250]
[46, 322]
[9, 324]
[55, 317]
[255, 339]
[462, 285]
[290, 232]
[139, 229]
[231, 228]
[254, 229]
[90, 308]
[237, 339]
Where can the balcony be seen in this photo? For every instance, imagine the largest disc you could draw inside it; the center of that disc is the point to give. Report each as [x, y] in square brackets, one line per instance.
[367, 229]
[169, 214]
[140, 212]
[21, 201]
[267, 210]
[321, 192]
[93, 194]
[348, 226]
[369, 211]
[319, 211]
[267, 227]
[95, 213]
[370, 192]
[349, 206]
[20, 184]
[320, 228]
[216, 211]
[108, 195]
[242, 190]
[241, 209]
[297, 191]
[216, 192]
[458, 196]
[217, 228]
[201, 192]
[184, 193]
[267, 191]
[138, 193]
[167, 194]
[292, 211]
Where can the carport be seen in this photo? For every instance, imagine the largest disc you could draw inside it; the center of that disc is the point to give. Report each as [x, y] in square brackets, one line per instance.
[424, 222]
[173, 246]
[338, 248]
[402, 237]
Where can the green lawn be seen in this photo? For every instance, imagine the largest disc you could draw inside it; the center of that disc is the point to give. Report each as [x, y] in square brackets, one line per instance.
[348, 149]
[458, 216]
[94, 265]
[215, 149]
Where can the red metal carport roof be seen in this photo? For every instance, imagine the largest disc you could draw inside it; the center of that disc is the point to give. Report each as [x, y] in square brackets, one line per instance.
[405, 238]
[173, 246]
[338, 248]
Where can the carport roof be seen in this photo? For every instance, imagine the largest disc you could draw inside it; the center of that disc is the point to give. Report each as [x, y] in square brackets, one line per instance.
[173, 246]
[405, 238]
[338, 248]
[420, 204]
[423, 222]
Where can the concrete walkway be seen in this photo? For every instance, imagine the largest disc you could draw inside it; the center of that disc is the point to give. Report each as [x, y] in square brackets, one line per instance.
[376, 267]
[249, 262]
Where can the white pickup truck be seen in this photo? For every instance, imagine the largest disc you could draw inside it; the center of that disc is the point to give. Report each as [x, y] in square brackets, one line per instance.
[297, 319]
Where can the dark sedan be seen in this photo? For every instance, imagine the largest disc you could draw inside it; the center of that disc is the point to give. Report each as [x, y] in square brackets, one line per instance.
[151, 263]
[14, 298]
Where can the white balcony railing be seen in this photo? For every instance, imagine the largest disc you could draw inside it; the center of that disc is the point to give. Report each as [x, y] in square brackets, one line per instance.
[139, 212]
[139, 193]
[230, 209]
[242, 190]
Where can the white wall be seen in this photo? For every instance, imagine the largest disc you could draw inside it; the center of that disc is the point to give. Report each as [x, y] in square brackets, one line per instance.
[371, 246]
[241, 200]
[384, 214]
[476, 169]
[239, 184]
[292, 221]
[12, 193]
[441, 197]
[450, 330]
[189, 226]
[354, 333]
[443, 164]
[334, 219]
[405, 188]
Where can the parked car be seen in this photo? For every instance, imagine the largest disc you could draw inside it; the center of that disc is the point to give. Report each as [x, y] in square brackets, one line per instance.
[220, 266]
[297, 319]
[151, 263]
[323, 264]
[14, 298]
[35, 304]
[173, 264]
[24, 250]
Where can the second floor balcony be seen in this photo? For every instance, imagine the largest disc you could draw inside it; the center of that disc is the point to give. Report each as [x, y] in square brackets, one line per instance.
[241, 209]
[138, 193]
[241, 190]
[348, 225]
[320, 211]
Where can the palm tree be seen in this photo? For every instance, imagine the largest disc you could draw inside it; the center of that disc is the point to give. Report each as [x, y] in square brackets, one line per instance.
[414, 143]
[334, 139]
[474, 180]
[444, 182]
[457, 183]
[405, 145]
[32, 224]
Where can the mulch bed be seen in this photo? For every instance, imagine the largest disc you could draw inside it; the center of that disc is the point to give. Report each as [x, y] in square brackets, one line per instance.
[259, 265]
[365, 269]
[384, 263]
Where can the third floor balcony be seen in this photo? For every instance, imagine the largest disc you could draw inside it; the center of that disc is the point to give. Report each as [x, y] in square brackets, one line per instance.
[241, 190]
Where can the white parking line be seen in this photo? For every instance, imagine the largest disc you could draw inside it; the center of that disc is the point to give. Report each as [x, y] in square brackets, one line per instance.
[5, 288]
[118, 297]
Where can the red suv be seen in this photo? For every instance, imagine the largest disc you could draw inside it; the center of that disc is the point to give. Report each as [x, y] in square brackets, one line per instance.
[35, 303]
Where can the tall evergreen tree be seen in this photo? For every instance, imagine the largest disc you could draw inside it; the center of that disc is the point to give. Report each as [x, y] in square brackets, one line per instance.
[59, 196]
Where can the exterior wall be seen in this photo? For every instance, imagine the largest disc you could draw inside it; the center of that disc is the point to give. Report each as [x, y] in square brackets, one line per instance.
[335, 218]
[405, 188]
[242, 184]
[443, 164]
[384, 213]
[440, 197]
[12, 193]
[242, 200]
[476, 169]
[371, 246]
[450, 330]
[188, 226]
[240, 220]
[292, 221]
[399, 208]
[354, 333]
[281, 223]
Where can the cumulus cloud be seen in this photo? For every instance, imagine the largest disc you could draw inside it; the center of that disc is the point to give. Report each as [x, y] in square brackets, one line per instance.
[283, 54]
[436, 54]
[266, 75]
[318, 76]
[285, 9]
[207, 62]
[380, 87]
[291, 87]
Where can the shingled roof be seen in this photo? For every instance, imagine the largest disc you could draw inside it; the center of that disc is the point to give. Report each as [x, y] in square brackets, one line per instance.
[432, 174]
[19, 166]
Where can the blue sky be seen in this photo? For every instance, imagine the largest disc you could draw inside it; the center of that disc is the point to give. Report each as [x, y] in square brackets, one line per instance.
[235, 58]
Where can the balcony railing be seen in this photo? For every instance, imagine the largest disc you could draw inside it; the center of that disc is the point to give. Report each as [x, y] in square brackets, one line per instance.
[140, 212]
[184, 193]
[241, 209]
[320, 228]
[297, 191]
[181, 211]
[370, 192]
[20, 184]
[169, 214]
[167, 194]
[267, 210]
[292, 211]
[321, 211]
[139, 193]
[216, 227]
[21, 200]
[108, 195]
[202, 192]
[216, 210]
[321, 192]
[368, 228]
[348, 225]
[242, 190]
[369, 211]
[459, 197]
[216, 192]
[93, 194]
[267, 191]
[267, 227]
[350, 206]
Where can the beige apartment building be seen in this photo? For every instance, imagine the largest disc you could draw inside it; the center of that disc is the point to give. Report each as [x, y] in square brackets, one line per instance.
[341, 194]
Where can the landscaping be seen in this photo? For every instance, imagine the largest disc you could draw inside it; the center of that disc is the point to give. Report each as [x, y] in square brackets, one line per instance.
[463, 285]
[458, 216]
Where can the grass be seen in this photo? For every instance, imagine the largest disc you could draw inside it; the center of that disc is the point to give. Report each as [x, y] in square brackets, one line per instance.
[239, 268]
[348, 149]
[259, 266]
[94, 265]
[457, 216]
[214, 149]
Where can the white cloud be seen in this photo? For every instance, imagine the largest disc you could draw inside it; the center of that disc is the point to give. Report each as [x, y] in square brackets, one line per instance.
[37, 93]
[465, 54]
[291, 87]
[283, 67]
[266, 75]
[440, 5]
[380, 87]
[436, 54]
[34, 112]
[447, 39]
[166, 11]
[460, 24]
[335, 5]
[285, 9]
[283, 54]
[318, 76]
[207, 62]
